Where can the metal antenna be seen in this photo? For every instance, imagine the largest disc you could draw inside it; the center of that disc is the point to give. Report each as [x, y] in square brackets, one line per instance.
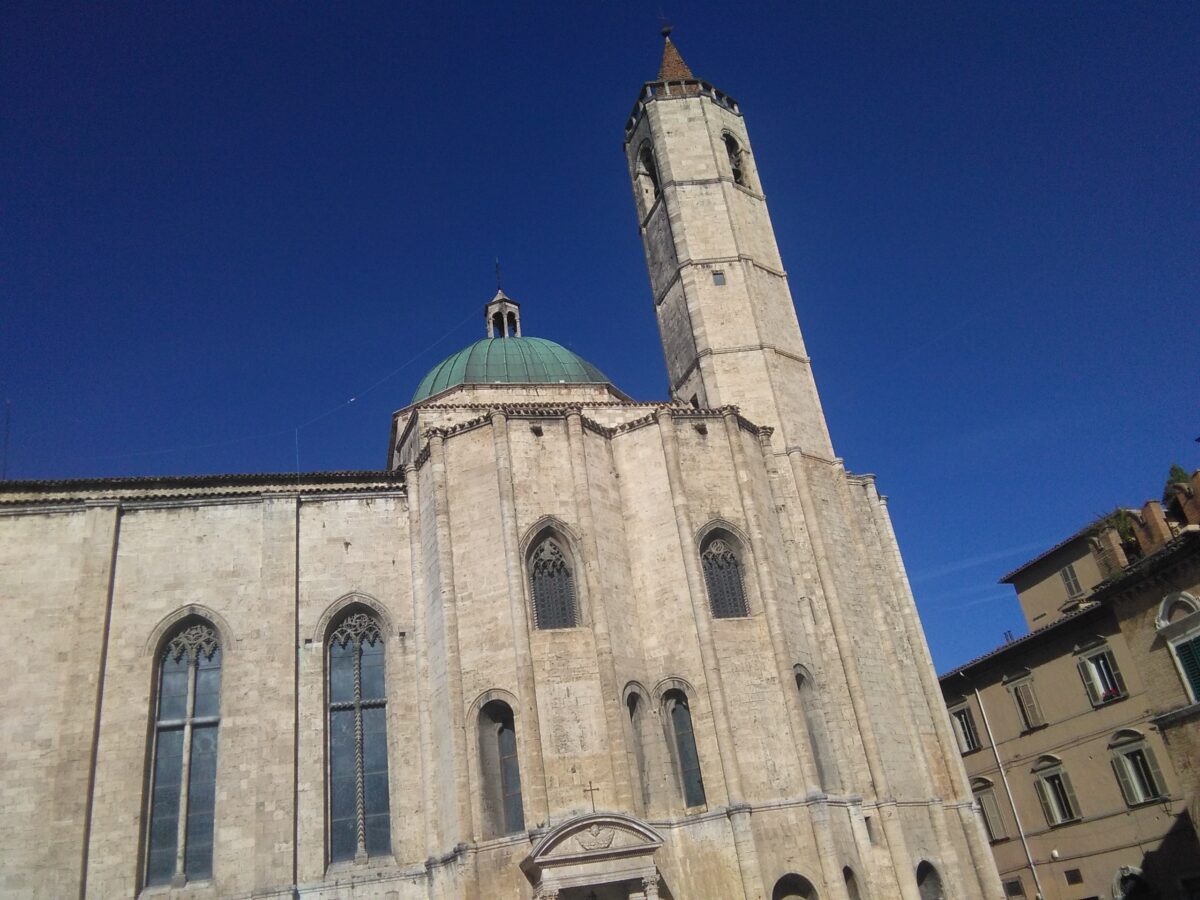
[4, 456]
[498, 288]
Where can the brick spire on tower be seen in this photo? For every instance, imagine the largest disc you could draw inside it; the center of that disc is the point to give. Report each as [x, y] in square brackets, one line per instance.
[672, 67]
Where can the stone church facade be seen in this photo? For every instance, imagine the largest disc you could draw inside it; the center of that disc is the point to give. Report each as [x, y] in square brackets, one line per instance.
[565, 645]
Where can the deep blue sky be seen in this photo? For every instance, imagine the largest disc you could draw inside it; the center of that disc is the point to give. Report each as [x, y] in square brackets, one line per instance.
[218, 222]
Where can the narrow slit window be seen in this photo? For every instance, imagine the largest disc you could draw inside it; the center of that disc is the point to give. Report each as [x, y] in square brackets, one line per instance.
[184, 759]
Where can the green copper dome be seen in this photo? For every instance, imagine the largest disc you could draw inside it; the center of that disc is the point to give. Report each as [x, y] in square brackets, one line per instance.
[509, 360]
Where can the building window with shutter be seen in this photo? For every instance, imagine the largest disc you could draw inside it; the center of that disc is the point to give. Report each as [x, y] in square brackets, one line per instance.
[1071, 581]
[1028, 710]
[964, 728]
[1178, 625]
[183, 767]
[1014, 889]
[1059, 804]
[358, 797]
[1136, 769]
[1101, 677]
[989, 809]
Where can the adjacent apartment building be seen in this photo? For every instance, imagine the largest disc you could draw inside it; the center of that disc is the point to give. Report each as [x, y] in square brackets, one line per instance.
[1082, 738]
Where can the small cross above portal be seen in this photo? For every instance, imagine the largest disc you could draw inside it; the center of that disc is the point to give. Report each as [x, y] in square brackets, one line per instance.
[591, 792]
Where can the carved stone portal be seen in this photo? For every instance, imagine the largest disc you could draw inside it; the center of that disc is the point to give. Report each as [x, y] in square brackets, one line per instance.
[605, 854]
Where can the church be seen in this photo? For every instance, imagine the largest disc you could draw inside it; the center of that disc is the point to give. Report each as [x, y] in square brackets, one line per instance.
[564, 645]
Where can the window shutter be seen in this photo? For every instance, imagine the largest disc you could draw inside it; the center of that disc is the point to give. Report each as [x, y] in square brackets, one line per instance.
[1076, 812]
[1160, 785]
[1027, 700]
[1112, 661]
[1121, 770]
[1189, 660]
[1089, 682]
[991, 815]
[1044, 798]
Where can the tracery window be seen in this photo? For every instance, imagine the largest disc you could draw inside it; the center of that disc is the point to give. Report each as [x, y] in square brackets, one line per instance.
[359, 825]
[552, 586]
[184, 758]
[723, 578]
[683, 741]
[500, 767]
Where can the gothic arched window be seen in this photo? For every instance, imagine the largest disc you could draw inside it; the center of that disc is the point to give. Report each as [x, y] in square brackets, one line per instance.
[500, 770]
[683, 743]
[184, 758]
[723, 578]
[552, 586]
[737, 160]
[359, 824]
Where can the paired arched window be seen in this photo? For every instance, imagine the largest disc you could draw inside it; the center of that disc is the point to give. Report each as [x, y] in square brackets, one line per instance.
[184, 757]
[793, 887]
[852, 890]
[723, 577]
[552, 586]
[635, 706]
[359, 823]
[500, 770]
[678, 717]
[929, 882]
[737, 160]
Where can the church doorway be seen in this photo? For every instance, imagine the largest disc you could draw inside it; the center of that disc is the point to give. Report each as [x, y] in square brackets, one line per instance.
[621, 890]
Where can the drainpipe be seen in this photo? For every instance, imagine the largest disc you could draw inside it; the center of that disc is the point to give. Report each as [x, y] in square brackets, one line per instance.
[1037, 883]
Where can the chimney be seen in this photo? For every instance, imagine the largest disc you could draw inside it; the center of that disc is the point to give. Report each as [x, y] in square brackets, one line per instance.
[1157, 531]
[1110, 552]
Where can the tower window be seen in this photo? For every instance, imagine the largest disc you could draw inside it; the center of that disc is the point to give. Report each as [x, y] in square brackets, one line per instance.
[737, 160]
[359, 822]
[718, 278]
[647, 178]
[184, 759]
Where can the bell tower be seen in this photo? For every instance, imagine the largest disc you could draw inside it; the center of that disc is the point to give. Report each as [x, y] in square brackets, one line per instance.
[725, 315]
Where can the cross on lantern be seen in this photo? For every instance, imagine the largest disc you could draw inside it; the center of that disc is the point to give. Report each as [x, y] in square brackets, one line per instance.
[591, 792]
